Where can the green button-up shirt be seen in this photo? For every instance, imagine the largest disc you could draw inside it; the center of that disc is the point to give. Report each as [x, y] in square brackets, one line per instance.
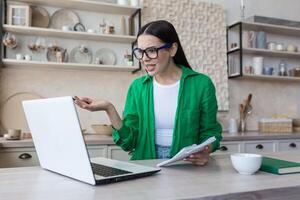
[195, 118]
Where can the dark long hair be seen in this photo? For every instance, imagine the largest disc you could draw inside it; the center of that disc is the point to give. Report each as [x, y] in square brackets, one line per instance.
[166, 32]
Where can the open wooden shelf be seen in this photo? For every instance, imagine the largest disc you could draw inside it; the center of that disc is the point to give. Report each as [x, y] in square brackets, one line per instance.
[68, 34]
[56, 65]
[269, 28]
[269, 77]
[272, 53]
[95, 6]
[267, 52]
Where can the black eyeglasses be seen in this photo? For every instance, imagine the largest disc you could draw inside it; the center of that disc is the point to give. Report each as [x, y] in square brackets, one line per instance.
[151, 52]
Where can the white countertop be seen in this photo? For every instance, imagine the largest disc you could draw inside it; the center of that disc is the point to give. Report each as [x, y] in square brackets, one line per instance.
[91, 139]
[175, 182]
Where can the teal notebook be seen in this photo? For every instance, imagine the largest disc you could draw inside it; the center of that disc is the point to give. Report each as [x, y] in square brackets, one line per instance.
[277, 166]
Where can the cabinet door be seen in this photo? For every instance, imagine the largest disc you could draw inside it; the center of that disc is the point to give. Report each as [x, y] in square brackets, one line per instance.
[259, 146]
[97, 151]
[229, 147]
[18, 157]
[115, 152]
[288, 145]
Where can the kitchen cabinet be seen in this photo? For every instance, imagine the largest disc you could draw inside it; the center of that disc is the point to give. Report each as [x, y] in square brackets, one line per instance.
[289, 145]
[24, 157]
[259, 146]
[115, 152]
[86, 6]
[240, 55]
[18, 157]
[230, 147]
[97, 151]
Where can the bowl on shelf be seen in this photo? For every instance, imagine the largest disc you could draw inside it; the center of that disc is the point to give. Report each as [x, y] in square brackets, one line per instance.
[102, 129]
[246, 163]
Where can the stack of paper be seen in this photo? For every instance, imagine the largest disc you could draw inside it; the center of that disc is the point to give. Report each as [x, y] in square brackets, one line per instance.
[187, 151]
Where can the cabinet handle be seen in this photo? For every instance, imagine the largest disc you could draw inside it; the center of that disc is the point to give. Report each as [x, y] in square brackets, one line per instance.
[25, 156]
[292, 145]
[259, 146]
[223, 148]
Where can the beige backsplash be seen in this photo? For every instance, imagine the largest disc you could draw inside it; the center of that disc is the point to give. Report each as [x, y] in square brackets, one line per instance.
[269, 97]
[50, 83]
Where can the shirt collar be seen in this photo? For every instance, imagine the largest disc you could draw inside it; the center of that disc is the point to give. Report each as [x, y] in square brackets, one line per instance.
[185, 73]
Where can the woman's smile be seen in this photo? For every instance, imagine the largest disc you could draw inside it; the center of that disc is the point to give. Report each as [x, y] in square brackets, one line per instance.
[150, 67]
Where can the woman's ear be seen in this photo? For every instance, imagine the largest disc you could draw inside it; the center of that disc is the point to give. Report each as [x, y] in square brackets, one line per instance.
[173, 49]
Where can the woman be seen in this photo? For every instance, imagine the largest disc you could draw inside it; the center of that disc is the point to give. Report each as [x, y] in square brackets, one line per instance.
[169, 108]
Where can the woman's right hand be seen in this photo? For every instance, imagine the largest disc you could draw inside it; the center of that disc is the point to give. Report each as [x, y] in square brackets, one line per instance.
[91, 104]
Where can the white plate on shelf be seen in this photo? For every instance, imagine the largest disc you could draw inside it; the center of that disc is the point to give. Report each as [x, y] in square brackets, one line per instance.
[11, 111]
[106, 56]
[64, 17]
[81, 54]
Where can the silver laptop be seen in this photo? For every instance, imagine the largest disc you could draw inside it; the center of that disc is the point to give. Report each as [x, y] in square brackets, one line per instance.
[61, 148]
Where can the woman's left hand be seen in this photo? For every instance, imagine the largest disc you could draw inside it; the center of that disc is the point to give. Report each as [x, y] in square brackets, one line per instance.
[200, 158]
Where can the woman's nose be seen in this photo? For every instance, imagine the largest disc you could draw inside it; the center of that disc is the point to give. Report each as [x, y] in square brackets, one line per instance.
[145, 58]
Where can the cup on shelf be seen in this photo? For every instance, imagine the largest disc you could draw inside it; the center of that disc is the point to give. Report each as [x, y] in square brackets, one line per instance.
[271, 46]
[19, 56]
[280, 47]
[91, 30]
[98, 61]
[291, 48]
[134, 3]
[268, 70]
[248, 69]
[123, 2]
[65, 28]
[27, 57]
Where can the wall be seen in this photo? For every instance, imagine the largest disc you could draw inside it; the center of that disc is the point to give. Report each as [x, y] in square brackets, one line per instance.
[270, 98]
[61, 82]
[286, 9]
[202, 36]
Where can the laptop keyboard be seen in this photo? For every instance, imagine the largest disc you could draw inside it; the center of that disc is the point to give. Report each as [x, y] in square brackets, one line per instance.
[106, 171]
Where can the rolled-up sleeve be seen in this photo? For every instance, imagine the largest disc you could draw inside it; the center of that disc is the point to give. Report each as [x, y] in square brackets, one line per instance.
[209, 126]
[126, 136]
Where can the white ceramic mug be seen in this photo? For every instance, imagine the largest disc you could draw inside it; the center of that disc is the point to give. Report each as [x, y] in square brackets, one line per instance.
[134, 3]
[19, 56]
[27, 57]
[91, 30]
[123, 2]
[279, 47]
[65, 28]
[271, 46]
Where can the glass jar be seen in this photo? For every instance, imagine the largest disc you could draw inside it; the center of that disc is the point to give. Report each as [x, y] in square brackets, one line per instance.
[282, 68]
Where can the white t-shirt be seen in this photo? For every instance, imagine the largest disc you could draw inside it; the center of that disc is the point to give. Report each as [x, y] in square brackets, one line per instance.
[165, 105]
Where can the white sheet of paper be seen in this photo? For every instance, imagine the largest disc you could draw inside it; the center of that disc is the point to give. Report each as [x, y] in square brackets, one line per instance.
[187, 151]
